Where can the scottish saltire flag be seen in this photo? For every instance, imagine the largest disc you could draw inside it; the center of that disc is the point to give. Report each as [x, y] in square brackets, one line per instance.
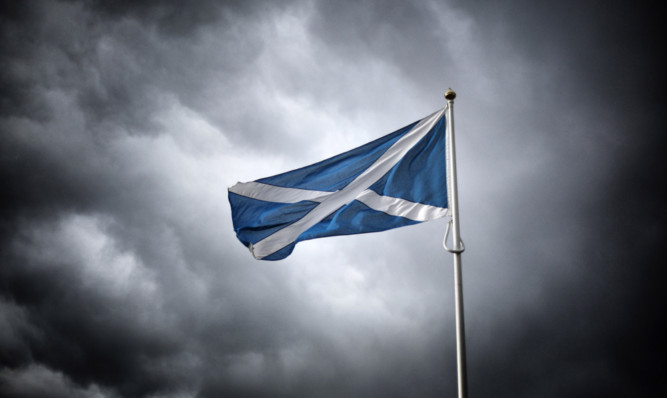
[397, 180]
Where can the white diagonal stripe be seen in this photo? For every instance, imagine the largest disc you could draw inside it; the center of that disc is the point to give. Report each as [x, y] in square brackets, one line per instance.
[272, 193]
[333, 202]
[387, 204]
[401, 207]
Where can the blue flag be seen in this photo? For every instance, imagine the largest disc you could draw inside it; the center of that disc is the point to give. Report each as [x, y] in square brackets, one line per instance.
[397, 180]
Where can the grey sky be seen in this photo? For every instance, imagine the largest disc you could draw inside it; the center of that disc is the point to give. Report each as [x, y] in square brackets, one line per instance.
[123, 125]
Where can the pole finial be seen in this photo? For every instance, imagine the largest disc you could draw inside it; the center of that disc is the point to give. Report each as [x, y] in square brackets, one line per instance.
[450, 94]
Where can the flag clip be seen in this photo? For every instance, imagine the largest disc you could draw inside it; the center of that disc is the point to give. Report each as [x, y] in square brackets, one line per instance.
[461, 247]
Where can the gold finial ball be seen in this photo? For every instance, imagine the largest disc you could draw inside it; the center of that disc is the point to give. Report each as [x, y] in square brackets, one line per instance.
[450, 94]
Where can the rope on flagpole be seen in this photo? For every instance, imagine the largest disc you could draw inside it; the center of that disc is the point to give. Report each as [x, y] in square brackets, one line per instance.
[459, 249]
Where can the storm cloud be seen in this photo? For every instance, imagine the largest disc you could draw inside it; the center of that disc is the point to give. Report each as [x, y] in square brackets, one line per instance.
[123, 123]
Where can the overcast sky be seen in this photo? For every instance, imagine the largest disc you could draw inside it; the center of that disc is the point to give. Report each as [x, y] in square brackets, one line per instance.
[122, 125]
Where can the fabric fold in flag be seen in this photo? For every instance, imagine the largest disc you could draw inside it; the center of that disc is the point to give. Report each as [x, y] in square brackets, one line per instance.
[397, 180]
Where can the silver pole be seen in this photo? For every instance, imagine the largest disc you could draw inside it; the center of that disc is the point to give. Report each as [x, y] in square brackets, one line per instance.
[456, 251]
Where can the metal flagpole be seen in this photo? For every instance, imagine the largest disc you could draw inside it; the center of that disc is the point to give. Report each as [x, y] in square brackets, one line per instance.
[456, 250]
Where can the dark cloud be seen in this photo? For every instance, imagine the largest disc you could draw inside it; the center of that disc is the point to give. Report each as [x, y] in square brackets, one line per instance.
[597, 331]
[123, 122]
[37, 381]
[171, 17]
[386, 33]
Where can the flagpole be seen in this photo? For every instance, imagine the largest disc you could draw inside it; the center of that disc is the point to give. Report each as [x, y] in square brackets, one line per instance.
[456, 250]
